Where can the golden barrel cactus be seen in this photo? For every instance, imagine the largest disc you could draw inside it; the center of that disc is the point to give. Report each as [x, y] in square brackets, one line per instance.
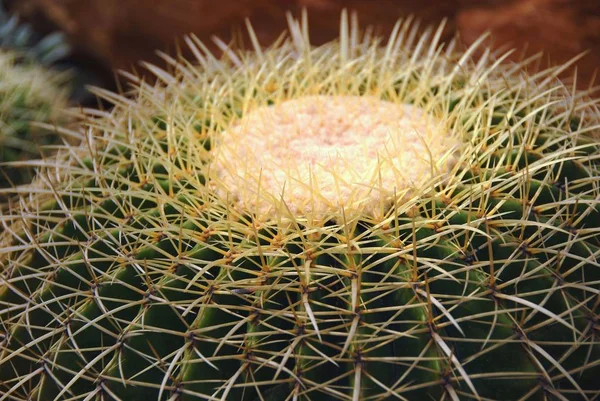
[354, 221]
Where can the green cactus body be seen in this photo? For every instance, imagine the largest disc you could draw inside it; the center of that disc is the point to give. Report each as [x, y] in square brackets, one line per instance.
[134, 271]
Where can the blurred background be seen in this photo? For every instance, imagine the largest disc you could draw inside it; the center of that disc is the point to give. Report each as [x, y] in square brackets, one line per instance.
[105, 35]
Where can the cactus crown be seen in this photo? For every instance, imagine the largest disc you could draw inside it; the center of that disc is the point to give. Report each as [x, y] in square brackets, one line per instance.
[132, 270]
[317, 154]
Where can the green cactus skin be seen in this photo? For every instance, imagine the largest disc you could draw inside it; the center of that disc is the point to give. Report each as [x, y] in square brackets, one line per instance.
[125, 276]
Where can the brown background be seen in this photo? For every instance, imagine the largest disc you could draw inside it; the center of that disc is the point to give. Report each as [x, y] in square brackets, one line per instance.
[119, 33]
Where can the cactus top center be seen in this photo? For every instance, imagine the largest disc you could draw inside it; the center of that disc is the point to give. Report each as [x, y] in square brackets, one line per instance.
[316, 154]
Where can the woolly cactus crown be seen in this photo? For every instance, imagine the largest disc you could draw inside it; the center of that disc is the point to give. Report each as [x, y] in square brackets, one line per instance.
[172, 256]
[320, 154]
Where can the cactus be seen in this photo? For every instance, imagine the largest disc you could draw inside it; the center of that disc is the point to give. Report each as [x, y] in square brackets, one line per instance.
[30, 92]
[350, 221]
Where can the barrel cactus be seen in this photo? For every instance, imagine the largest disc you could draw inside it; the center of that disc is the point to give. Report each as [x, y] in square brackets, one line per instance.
[30, 92]
[354, 221]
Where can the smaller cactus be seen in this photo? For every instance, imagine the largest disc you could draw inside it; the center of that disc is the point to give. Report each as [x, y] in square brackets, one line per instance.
[29, 92]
